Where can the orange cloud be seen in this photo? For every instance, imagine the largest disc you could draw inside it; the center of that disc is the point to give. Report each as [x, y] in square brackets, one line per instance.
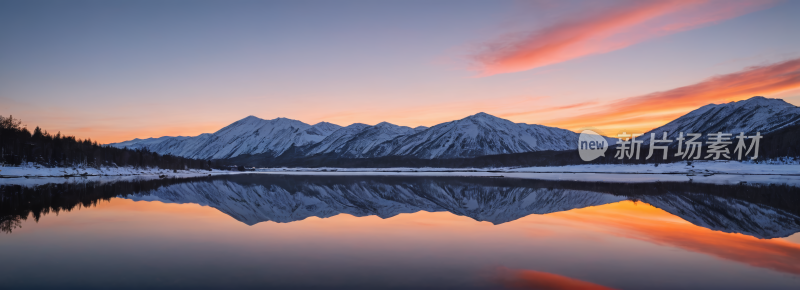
[611, 29]
[529, 279]
[645, 112]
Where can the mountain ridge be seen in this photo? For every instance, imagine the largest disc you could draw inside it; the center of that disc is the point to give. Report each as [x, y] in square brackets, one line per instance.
[756, 114]
[476, 135]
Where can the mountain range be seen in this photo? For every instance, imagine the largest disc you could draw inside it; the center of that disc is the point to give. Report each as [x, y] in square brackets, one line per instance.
[477, 135]
[474, 136]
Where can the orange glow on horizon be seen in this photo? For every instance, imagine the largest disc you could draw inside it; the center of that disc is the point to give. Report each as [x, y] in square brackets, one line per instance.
[635, 114]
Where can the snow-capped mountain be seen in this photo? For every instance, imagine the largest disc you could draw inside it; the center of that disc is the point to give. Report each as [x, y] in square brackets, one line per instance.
[146, 143]
[250, 135]
[362, 141]
[337, 139]
[757, 114]
[477, 135]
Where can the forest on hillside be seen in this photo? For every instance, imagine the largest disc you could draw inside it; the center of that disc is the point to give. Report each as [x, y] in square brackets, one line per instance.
[18, 145]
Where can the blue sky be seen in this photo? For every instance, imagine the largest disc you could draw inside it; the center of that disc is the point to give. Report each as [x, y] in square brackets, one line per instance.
[116, 70]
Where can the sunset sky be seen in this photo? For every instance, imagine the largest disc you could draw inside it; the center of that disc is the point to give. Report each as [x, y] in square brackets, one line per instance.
[118, 70]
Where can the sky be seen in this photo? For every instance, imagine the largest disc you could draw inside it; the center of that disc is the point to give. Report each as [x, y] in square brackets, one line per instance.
[117, 70]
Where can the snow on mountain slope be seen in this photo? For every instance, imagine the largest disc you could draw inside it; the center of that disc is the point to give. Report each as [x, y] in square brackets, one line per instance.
[337, 139]
[320, 130]
[478, 135]
[145, 143]
[364, 141]
[250, 135]
[757, 114]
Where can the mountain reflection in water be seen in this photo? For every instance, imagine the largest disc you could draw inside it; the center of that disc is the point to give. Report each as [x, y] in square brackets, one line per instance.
[762, 211]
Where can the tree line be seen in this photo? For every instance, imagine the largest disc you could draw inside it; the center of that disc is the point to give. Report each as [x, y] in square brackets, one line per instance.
[18, 146]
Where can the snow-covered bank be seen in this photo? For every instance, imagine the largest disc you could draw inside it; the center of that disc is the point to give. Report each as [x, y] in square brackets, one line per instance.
[722, 172]
[34, 175]
[696, 168]
[41, 171]
[793, 180]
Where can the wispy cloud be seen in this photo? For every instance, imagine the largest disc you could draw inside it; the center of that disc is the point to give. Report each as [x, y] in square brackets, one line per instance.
[614, 27]
[549, 109]
[651, 110]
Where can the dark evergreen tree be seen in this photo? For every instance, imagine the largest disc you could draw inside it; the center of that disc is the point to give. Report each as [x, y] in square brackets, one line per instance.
[18, 146]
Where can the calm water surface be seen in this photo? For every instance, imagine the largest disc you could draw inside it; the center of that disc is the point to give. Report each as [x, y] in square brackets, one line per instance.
[316, 232]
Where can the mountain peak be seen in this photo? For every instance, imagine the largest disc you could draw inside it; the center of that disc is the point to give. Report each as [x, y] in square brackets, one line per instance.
[283, 120]
[326, 124]
[322, 129]
[250, 118]
[357, 125]
[483, 117]
[764, 102]
[386, 124]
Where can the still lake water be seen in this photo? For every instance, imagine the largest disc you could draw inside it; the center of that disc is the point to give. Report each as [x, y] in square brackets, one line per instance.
[348, 232]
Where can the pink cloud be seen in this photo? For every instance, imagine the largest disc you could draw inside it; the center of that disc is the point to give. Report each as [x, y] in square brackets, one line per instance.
[611, 29]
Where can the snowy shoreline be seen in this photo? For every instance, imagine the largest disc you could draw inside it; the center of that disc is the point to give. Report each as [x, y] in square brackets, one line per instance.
[697, 168]
[718, 172]
[721, 172]
[40, 171]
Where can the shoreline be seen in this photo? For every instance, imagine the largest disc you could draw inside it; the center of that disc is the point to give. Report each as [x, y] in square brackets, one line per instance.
[705, 172]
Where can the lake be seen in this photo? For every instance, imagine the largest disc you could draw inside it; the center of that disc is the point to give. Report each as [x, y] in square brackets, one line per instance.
[398, 232]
